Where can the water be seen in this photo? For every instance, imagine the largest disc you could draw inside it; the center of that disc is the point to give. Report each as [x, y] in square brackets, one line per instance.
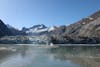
[46, 56]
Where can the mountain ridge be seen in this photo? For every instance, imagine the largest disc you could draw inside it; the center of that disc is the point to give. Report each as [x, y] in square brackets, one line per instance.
[86, 30]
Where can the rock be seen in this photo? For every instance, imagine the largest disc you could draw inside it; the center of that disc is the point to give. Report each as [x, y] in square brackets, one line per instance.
[86, 30]
[15, 31]
[4, 30]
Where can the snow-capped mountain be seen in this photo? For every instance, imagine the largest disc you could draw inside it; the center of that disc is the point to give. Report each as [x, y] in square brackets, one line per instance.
[37, 29]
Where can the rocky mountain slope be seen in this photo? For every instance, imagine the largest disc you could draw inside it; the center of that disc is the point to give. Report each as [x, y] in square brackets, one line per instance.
[86, 30]
[4, 30]
[15, 31]
[7, 30]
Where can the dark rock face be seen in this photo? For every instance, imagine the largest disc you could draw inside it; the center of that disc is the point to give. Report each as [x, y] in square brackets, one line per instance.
[15, 31]
[7, 30]
[87, 30]
[4, 30]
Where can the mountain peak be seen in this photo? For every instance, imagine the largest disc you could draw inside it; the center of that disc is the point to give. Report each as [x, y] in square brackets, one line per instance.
[35, 29]
[40, 26]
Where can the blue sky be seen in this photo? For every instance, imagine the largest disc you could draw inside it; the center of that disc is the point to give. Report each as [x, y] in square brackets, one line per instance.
[19, 13]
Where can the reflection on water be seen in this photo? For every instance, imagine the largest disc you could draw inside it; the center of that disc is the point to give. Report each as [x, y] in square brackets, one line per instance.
[84, 56]
[30, 56]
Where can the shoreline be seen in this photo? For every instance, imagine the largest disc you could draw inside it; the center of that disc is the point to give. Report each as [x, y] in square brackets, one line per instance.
[54, 45]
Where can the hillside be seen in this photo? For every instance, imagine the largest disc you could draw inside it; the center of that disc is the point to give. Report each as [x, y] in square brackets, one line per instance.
[86, 30]
[4, 30]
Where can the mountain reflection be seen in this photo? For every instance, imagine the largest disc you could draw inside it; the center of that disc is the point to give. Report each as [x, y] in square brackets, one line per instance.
[85, 56]
[24, 55]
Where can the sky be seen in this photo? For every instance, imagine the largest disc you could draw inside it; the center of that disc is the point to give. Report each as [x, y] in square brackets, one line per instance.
[26, 13]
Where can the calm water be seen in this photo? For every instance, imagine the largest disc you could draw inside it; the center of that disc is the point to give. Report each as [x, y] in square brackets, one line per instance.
[43, 56]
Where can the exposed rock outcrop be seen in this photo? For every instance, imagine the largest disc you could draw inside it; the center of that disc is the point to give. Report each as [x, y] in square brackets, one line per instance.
[15, 31]
[4, 30]
[87, 30]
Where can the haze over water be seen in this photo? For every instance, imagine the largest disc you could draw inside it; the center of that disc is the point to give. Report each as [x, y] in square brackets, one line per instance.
[46, 56]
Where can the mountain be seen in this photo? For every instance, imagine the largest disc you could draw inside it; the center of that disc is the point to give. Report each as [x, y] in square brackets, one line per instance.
[4, 30]
[15, 31]
[40, 29]
[86, 30]
[8, 30]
